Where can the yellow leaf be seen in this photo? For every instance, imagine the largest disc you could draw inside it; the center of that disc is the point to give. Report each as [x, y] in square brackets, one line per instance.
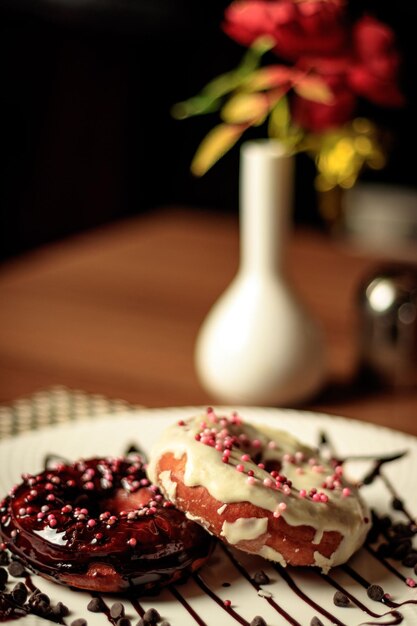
[245, 108]
[268, 77]
[216, 143]
[313, 88]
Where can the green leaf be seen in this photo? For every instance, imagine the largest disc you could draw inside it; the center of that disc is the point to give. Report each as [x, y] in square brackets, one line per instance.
[215, 144]
[209, 98]
[279, 120]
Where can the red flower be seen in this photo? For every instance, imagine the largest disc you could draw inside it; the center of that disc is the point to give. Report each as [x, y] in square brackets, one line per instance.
[318, 116]
[307, 27]
[375, 71]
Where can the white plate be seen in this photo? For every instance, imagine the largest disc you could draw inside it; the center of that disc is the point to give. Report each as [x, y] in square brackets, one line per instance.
[113, 434]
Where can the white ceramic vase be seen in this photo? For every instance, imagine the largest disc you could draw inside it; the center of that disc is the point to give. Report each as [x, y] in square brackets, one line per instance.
[258, 345]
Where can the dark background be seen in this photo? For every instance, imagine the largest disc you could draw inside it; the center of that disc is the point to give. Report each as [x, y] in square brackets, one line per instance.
[85, 125]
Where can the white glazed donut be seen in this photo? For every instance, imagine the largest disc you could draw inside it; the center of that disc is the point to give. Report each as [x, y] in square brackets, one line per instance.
[260, 490]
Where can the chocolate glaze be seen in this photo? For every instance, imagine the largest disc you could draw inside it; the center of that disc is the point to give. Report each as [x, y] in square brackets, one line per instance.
[62, 520]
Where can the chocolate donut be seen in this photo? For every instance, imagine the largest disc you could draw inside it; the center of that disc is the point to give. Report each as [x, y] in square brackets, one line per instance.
[260, 490]
[100, 525]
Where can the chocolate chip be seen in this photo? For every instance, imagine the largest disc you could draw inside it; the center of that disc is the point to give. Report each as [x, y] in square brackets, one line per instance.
[42, 597]
[59, 610]
[79, 622]
[151, 616]
[315, 621]
[96, 605]
[260, 578]
[16, 569]
[4, 558]
[19, 593]
[410, 559]
[384, 550]
[258, 621]
[397, 504]
[401, 550]
[117, 610]
[124, 621]
[341, 599]
[403, 530]
[3, 578]
[375, 592]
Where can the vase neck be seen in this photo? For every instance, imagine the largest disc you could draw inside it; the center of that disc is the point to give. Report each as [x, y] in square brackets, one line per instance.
[266, 191]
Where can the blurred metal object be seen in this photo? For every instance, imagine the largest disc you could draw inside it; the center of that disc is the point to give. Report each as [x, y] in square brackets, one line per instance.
[388, 325]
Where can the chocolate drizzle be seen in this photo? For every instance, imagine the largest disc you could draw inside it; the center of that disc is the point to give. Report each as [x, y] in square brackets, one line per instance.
[382, 533]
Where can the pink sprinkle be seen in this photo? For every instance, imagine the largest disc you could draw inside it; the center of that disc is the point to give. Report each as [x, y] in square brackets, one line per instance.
[346, 492]
[303, 493]
[225, 459]
[268, 482]
[49, 486]
[411, 582]
[227, 453]
[89, 485]
[256, 443]
[132, 542]
[22, 511]
[282, 506]
[181, 423]
[227, 603]
[91, 523]
[53, 523]
[272, 445]
[50, 497]
[324, 497]
[316, 497]
[276, 514]
[240, 468]
[251, 480]
[245, 457]
[261, 465]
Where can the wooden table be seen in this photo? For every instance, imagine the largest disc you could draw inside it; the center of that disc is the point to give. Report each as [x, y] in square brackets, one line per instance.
[116, 311]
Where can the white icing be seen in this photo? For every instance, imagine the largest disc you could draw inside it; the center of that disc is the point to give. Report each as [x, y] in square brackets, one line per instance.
[205, 467]
[221, 509]
[322, 562]
[318, 536]
[244, 529]
[272, 555]
[169, 486]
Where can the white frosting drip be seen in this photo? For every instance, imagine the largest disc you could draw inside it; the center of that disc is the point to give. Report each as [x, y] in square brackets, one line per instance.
[169, 486]
[244, 529]
[272, 555]
[205, 467]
